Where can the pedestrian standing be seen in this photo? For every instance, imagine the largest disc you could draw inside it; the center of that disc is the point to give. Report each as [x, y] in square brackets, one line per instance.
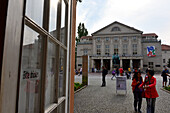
[129, 71]
[121, 71]
[150, 91]
[164, 75]
[95, 70]
[137, 92]
[104, 73]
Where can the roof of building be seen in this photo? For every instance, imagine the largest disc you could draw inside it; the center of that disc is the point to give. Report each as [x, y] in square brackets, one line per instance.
[117, 23]
[86, 37]
[165, 47]
[149, 34]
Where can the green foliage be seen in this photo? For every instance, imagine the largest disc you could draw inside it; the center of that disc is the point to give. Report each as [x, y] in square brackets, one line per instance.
[77, 86]
[82, 31]
[168, 63]
[79, 0]
[167, 88]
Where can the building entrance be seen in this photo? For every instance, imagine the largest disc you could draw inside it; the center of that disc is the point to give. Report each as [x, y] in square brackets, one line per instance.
[126, 64]
[97, 64]
[136, 63]
[106, 63]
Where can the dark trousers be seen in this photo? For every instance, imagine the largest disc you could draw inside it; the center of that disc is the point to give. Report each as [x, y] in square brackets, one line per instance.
[103, 80]
[150, 105]
[137, 99]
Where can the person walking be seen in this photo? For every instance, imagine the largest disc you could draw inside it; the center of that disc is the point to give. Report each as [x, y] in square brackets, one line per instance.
[137, 92]
[164, 75]
[113, 74]
[117, 71]
[104, 73]
[150, 91]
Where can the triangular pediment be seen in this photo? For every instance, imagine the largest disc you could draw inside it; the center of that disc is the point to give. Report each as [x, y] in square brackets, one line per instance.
[116, 28]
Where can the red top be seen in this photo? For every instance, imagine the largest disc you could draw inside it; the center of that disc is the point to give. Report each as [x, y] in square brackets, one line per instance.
[134, 83]
[150, 92]
[121, 70]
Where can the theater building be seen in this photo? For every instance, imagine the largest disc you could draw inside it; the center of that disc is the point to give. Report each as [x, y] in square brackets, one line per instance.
[119, 45]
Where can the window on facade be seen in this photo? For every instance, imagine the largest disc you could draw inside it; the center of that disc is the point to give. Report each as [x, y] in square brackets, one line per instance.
[115, 29]
[164, 61]
[116, 39]
[85, 51]
[150, 64]
[145, 65]
[116, 50]
[107, 39]
[43, 62]
[98, 39]
[98, 49]
[125, 38]
[107, 50]
[125, 49]
[157, 65]
[134, 48]
[134, 38]
[165, 51]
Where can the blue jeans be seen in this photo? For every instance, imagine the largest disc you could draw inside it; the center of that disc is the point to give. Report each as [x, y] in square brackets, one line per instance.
[150, 105]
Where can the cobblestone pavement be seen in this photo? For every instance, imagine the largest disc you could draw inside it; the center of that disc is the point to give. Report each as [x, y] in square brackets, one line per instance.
[96, 99]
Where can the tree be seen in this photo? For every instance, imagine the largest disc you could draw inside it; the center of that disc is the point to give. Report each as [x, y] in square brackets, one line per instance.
[82, 31]
[168, 65]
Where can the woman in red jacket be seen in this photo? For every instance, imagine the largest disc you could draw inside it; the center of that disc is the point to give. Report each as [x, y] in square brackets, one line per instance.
[137, 80]
[150, 91]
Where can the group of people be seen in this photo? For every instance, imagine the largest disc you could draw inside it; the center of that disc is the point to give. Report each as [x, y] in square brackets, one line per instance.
[144, 89]
[127, 73]
[141, 88]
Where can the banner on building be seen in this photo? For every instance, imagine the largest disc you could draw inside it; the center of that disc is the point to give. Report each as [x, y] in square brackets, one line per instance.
[151, 51]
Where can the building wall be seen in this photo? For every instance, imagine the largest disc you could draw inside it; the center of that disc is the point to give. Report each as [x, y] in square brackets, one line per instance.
[85, 45]
[120, 43]
[157, 59]
[166, 56]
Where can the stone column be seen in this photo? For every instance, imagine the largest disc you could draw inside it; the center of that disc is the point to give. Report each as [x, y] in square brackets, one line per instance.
[121, 63]
[131, 64]
[141, 64]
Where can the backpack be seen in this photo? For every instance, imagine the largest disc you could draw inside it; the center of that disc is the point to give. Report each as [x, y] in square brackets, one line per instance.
[113, 72]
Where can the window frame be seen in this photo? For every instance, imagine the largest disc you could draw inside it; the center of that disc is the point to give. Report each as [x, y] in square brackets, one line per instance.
[44, 31]
[107, 49]
[98, 49]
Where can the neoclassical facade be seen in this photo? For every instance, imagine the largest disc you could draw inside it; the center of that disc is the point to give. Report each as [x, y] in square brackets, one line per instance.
[119, 45]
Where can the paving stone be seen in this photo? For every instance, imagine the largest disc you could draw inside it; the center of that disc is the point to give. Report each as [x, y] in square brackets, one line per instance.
[96, 99]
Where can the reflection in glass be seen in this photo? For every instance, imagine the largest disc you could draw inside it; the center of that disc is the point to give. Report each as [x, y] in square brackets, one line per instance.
[53, 17]
[50, 95]
[61, 107]
[63, 27]
[31, 66]
[61, 73]
[63, 14]
[34, 10]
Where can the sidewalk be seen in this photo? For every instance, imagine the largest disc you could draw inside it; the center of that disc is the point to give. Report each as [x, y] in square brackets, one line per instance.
[96, 99]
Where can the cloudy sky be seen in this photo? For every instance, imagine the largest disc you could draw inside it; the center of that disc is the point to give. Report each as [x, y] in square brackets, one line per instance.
[149, 16]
